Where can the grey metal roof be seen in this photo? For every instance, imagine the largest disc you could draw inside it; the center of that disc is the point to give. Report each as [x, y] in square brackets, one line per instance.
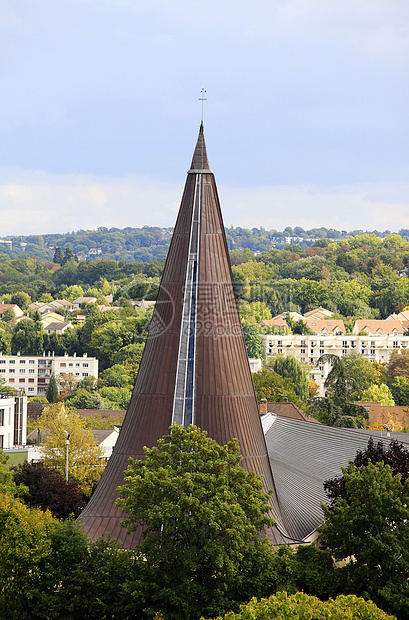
[302, 456]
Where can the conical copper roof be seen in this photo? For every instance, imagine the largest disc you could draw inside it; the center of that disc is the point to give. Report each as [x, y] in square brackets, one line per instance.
[195, 367]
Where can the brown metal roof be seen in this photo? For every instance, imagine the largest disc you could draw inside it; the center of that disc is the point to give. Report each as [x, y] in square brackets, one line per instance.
[195, 365]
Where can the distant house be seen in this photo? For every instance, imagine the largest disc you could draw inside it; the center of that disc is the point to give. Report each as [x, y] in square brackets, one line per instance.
[106, 439]
[318, 313]
[394, 418]
[386, 327]
[56, 327]
[285, 409]
[83, 300]
[143, 305]
[18, 313]
[255, 364]
[332, 327]
[51, 317]
[94, 251]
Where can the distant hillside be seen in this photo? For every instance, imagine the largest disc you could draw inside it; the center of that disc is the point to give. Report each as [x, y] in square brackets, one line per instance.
[149, 243]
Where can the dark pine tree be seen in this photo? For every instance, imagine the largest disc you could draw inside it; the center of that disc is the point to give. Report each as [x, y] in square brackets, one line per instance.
[58, 256]
[52, 392]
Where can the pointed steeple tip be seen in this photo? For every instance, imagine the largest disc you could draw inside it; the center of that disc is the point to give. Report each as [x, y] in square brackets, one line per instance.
[200, 162]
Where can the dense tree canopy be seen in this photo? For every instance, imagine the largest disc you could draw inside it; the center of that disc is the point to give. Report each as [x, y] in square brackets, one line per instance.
[202, 513]
[370, 527]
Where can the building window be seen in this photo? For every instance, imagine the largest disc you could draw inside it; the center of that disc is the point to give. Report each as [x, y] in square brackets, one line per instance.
[345, 343]
[344, 351]
[303, 343]
[63, 364]
[1, 417]
[31, 389]
[12, 361]
[1, 441]
[77, 364]
[22, 371]
[22, 361]
[31, 380]
[85, 374]
[312, 360]
[2, 370]
[321, 351]
[395, 344]
[302, 350]
[321, 343]
[11, 380]
[85, 365]
[21, 380]
[31, 361]
[2, 361]
[31, 371]
[372, 351]
[70, 364]
[12, 370]
[373, 344]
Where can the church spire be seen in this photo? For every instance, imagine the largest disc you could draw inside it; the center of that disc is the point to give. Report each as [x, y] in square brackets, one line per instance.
[194, 367]
[200, 162]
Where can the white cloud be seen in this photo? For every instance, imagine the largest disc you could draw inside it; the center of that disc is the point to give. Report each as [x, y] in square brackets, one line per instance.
[36, 202]
[348, 207]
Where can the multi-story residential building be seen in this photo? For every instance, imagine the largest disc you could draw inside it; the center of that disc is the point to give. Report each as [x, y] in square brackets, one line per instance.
[32, 373]
[309, 349]
[13, 420]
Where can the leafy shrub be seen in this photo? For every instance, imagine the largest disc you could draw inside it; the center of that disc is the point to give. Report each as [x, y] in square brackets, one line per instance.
[301, 606]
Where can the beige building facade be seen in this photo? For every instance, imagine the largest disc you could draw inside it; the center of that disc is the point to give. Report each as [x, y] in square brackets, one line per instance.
[309, 349]
[32, 373]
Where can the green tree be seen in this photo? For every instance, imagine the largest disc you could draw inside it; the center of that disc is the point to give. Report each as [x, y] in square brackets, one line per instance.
[398, 365]
[298, 327]
[24, 539]
[378, 394]
[58, 256]
[252, 339]
[369, 528]
[301, 606]
[274, 388]
[290, 368]
[255, 311]
[202, 513]
[28, 338]
[52, 392]
[400, 391]
[362, 373]
[82, 398]
[116, 376]
[337, 408]
[22, 299]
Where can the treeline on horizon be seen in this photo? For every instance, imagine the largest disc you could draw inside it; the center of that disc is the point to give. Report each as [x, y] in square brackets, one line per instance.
[356, 277]
[150, 243]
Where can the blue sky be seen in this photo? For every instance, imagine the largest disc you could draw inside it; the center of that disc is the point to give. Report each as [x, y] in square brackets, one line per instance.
[306, 119]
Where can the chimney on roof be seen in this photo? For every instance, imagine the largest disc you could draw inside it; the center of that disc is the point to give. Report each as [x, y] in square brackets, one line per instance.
[263, 406]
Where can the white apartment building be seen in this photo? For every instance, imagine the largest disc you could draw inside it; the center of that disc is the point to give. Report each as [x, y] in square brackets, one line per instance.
[31, 373]
[308, 349]
[13, 420]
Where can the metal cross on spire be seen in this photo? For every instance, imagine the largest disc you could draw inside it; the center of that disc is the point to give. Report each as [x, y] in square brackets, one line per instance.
[202, 99]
